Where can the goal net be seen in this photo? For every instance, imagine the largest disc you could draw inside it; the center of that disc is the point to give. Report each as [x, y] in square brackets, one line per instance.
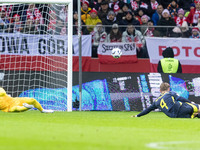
[36, 52]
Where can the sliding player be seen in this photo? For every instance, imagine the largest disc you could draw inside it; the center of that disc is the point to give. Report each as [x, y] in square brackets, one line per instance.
[19, 104]
[172, 105]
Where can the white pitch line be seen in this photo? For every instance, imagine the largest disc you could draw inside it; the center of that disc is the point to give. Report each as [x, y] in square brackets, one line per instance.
[168, 145]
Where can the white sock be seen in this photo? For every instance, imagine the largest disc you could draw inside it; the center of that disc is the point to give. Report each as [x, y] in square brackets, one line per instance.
[47, 111]
[28, 106]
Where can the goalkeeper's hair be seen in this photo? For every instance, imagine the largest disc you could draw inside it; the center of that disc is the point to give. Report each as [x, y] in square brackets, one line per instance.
[164, 86]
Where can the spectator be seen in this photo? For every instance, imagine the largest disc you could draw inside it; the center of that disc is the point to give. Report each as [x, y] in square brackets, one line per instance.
[60, 28]
[151, 32]
[185, 4]
[8, 11]
[180, 18]
[169, 64]
[192, 6]
[84, 30]
[122, 13]
[47, 16]
[52, 22]
[45, 9]
[135, 5]
[63, 13]
[4, 22]
[109, 21]
[144, 20]
[16, 25]
[173, 8]
[96, 4]
[75, 16]
[139, 14]
[185, 30]
[12, 9]
[116, 5]
[152, 7]
[176, 32]
[194, 14]
[104, 9]
[56, 8]
[115, 34]
[32, 13]
[154, 4]
[167, 24]
[138, 4]
[92, 20]
[195, 33]
[129, 19]
[85, 10]
[133, 35]
[29, 27]
[98, 35]
[157, 15]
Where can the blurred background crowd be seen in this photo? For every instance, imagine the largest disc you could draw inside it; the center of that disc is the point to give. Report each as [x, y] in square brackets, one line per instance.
[108, 20]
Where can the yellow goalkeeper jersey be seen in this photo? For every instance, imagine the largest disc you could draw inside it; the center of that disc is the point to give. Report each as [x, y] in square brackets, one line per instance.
[5, 100]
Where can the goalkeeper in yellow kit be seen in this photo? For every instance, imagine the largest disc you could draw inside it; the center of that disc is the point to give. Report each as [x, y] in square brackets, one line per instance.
[19, 104]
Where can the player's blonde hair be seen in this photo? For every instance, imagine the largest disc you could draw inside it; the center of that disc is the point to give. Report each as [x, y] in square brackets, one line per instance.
[164, 86]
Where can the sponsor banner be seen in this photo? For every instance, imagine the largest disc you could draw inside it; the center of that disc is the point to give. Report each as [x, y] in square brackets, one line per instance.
[129, 54]
[186, 50]
[43, 45]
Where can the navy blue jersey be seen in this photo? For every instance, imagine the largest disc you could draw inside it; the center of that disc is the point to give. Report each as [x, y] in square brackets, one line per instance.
[169, 103]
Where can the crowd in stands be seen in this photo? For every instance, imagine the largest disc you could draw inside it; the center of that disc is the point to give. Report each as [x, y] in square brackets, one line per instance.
[108, 20]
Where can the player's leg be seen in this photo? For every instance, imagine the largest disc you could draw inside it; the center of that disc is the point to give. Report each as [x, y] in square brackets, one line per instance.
[16, 106]
[196, 109]
[33, 102]
[198, 112]
[18, 109]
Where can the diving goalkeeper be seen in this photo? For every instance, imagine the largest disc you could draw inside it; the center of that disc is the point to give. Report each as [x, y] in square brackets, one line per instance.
[19, 104]
[172, 105]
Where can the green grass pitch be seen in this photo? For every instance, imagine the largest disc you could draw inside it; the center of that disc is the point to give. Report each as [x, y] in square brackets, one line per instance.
[96, 130]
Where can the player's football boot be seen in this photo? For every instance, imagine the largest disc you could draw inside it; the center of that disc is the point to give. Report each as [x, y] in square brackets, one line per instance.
[47, 111]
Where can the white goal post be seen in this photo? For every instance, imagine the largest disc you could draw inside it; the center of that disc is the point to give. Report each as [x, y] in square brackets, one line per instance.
[69, 34]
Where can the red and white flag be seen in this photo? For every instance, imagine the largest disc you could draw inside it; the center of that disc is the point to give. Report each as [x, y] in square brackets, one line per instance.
[129, 53]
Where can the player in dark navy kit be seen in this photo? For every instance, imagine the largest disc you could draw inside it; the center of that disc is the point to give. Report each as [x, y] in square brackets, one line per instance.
[172, 105]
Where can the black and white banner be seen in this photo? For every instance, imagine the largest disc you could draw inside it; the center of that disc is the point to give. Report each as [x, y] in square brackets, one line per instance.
[45, 45]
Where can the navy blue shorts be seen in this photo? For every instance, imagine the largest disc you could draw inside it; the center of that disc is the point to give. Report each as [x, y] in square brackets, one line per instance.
[187, 109]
